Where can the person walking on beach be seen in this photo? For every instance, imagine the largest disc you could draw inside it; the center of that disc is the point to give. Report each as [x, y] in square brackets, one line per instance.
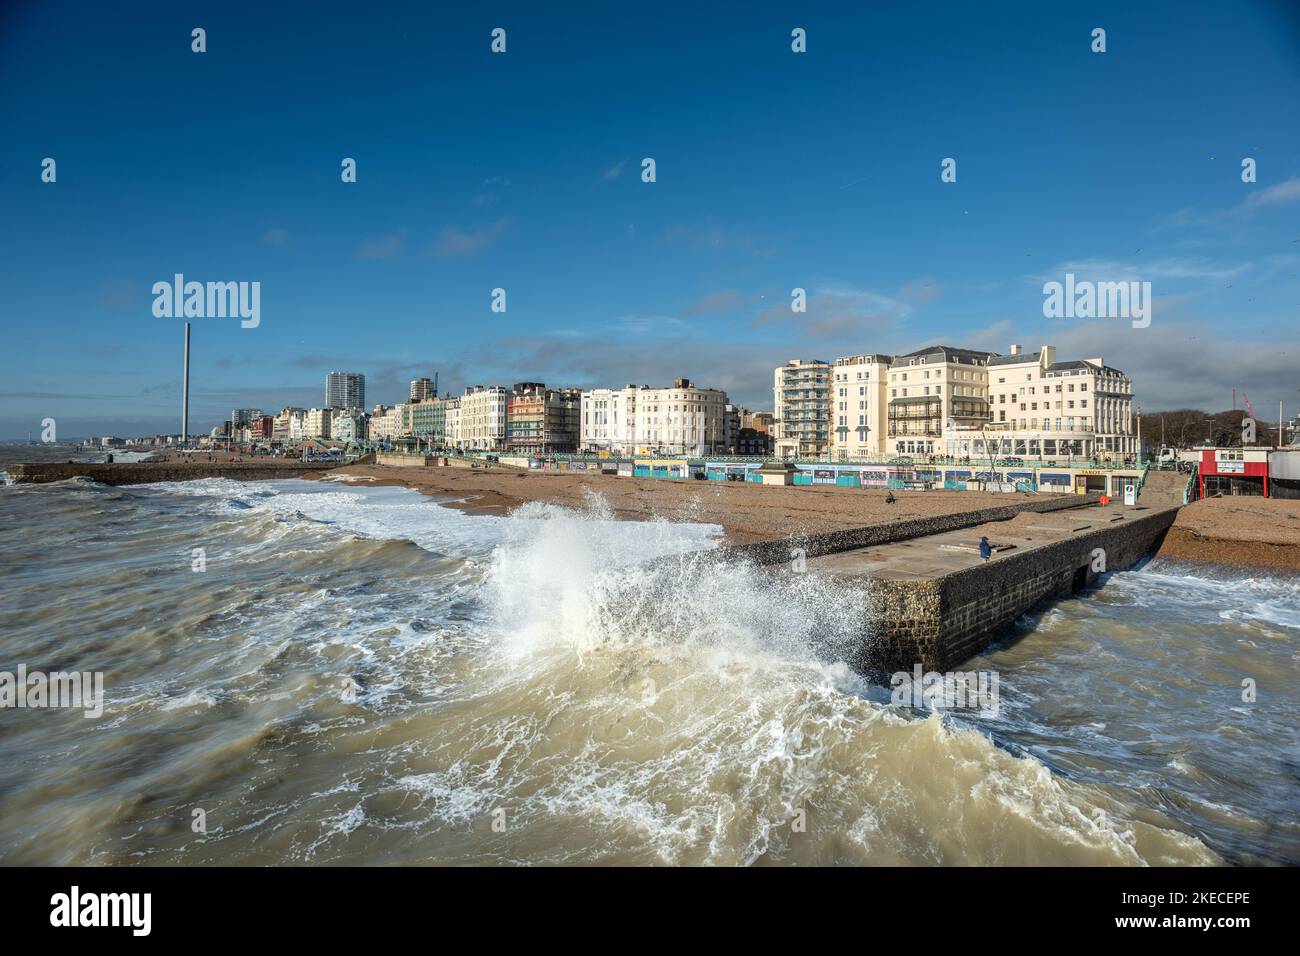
[985, 549]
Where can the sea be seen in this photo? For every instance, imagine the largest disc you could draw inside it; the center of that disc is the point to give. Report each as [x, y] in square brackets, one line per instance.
[307, 673]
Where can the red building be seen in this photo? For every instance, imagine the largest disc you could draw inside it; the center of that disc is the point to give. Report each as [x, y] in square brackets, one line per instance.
[1233, 471]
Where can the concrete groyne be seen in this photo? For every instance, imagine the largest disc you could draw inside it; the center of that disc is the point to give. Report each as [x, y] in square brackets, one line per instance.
[936, 602]
[834, 542]
[140, 473]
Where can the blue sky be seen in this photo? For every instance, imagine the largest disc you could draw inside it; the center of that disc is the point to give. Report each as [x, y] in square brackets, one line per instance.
[522, 171]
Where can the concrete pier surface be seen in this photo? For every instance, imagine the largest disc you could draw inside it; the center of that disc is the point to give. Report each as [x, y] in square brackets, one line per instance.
[937, 602]
[146, 472]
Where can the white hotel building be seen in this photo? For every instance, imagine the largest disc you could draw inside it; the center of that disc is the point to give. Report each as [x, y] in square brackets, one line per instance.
[639, 420]
[959, 403]
[608, 419]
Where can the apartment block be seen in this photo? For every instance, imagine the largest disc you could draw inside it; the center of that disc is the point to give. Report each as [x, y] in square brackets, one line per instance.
[316, 423]
[385, 422]
[482, 418]
[801, 393]
[932, 390]
[345, 390]
[282, 429]
[348, 424]
[858, 416]
[541, 420]
[426, 419]
[423, 389]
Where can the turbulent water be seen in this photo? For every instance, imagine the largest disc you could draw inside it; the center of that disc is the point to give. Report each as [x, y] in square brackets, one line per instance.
[361, 676]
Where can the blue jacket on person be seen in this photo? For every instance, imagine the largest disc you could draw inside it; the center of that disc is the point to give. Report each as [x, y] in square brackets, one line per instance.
[985, 550]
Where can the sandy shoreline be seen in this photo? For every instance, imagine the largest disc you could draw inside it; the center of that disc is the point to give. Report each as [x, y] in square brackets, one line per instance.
[746, 512]
[1244, 533]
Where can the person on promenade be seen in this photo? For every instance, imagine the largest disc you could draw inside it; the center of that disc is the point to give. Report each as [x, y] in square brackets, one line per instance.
[985, 549]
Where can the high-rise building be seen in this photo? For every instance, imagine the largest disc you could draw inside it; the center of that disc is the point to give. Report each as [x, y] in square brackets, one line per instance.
[424, 388]
[345, 390]
[801, 391]
[244, 416]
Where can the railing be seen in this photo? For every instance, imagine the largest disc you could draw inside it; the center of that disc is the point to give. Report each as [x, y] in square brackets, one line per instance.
[1191, 485]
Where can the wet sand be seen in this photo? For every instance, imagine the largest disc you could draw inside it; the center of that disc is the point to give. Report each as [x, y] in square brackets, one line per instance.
[1242, 532]
[746, 512]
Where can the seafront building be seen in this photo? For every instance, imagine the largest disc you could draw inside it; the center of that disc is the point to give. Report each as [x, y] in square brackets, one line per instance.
[348, 424]
[426, 419]
[482, 418]
[801, 393]
[957, 403]
[639, 420]
[682, 420]
[1044, 408]
[608, 419]
[934, 392]
[858, 414]
[541, 420]
[385, 422]
[316, 423]
[282, 429]
[345, 390]
[451, 424]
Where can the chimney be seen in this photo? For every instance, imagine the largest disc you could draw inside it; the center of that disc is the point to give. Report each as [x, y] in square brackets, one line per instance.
[1047, 356]
[1015, 350]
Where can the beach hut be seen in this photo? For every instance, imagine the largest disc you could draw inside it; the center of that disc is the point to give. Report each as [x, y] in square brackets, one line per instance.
[777, 473]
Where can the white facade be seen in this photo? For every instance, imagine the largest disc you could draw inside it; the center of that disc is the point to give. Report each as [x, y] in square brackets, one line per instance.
[858, 420]
[316, 423]
[682, 420]
[1044, 408]
[609, 419]
[347, 424]
[482, 419]
[385, 422]
[452, 435]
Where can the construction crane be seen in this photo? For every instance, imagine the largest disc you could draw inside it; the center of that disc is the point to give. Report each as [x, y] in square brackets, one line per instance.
[1249, 407]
